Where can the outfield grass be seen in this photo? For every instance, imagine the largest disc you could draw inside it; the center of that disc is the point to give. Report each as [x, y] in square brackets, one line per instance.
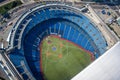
[62, 60]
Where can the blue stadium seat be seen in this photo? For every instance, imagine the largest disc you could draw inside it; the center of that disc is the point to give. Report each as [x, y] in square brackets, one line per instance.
[66, 32]
[71, 26]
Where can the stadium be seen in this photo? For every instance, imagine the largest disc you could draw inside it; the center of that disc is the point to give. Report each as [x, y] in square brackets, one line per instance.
[54, 42]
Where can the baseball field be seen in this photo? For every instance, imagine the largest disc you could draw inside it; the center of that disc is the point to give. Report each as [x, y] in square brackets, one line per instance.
[61, 59]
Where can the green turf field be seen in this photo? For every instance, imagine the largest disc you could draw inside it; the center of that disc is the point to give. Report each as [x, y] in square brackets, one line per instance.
[62, 60]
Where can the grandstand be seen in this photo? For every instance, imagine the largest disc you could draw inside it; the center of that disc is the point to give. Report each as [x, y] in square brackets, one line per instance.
[51, 19]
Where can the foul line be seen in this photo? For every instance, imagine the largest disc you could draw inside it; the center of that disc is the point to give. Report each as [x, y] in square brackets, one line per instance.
[41, 69]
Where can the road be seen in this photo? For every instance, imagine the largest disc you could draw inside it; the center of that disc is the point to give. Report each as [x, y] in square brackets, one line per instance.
[5, 2]
[20, 11]
[16, 13]
[107, 6]
[110, 37]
